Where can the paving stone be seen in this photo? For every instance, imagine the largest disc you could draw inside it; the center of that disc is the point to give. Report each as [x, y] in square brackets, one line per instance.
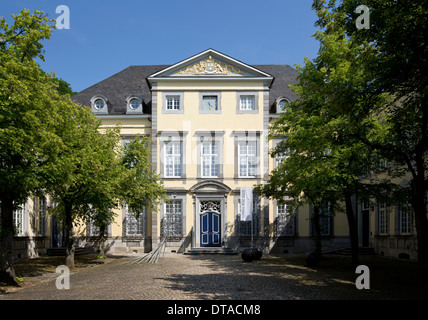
[228, 277]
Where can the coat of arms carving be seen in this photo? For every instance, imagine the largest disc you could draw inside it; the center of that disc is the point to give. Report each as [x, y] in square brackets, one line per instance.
[210, 65]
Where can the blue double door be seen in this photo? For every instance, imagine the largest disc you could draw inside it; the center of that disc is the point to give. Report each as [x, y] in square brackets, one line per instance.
[210, 229]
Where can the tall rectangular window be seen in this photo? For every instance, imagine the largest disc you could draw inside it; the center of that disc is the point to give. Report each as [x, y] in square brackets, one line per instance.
[172, 220]
[39, 215]
[18, 221]
[92, 230]
[135, 226]
[173, 102]
[244, 228]
[247, 157]
[210, 159]
[173, 159]
[383, 219]
[404, 219]
[246, 103]
[326, 220]
[285, 222]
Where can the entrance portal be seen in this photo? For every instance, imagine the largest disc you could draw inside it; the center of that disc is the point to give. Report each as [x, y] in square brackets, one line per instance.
[210, 229]
[210, 223]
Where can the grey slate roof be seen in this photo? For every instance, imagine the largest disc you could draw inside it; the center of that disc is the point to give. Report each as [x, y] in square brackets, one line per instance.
[132, 81]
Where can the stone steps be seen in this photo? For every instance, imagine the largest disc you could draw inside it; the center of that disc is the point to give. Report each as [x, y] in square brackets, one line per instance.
[361, 251]
[200, 251]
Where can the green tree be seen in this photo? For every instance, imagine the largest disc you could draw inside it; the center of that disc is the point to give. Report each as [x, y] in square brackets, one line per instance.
[27, 114]
[135, 183]
[83, 177]
[64, 87]
[322, 130]
[317, 169]
[395, 63]
[141, 186]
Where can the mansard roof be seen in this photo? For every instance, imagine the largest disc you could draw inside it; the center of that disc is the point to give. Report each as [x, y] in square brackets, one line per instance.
[134, 81]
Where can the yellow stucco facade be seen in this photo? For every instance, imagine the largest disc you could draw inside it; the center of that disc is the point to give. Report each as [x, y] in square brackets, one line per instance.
[178, 115]
[208, 119]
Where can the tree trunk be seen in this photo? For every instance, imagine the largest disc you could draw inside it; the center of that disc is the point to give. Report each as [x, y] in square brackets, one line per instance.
[421, 222]
[102, 241]
[7, 270]
[317, 229]
[69, 243]
[353, 228]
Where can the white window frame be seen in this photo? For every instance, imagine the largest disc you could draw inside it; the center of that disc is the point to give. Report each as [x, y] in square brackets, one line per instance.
[278, 101]
[244, 159]
[132, 109]
[212, 159]
[383, 219]
[20, 220]
[172, 102]
[175, 159]
[247, 103]
[95, 109]
[242, 105]
[404, 220]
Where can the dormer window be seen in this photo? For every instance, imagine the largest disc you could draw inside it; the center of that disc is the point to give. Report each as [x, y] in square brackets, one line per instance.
[281, 105]
[99, 104]
[134, 104]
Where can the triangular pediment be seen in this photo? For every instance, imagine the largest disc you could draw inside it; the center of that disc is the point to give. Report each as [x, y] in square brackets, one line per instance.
[210, 64]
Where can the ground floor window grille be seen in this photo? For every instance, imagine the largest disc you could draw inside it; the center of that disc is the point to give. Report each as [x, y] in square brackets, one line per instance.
[243, 228]
[172, 220]
[325, 223]
[285, 222]
[92, 229]
[326, 220]
[135, 226]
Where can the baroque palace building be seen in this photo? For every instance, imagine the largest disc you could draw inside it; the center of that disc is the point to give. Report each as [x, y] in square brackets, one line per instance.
[208, 118]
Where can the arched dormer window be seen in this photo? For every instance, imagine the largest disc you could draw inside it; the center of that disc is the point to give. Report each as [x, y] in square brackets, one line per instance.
[99, 104]
[134, 104]
[281, 104]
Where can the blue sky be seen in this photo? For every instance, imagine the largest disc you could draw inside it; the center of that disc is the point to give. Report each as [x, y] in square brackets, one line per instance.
[105, 37]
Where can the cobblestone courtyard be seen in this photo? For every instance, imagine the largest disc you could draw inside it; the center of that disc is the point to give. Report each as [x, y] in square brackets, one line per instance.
[210, 277]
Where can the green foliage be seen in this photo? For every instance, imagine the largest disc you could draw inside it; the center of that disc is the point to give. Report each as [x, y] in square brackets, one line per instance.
[84, 174]
[64, 87]
[50, 145]
[27, 107]
[141, 187]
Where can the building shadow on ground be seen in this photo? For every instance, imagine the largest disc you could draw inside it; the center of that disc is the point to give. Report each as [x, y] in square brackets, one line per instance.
[288, 277]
